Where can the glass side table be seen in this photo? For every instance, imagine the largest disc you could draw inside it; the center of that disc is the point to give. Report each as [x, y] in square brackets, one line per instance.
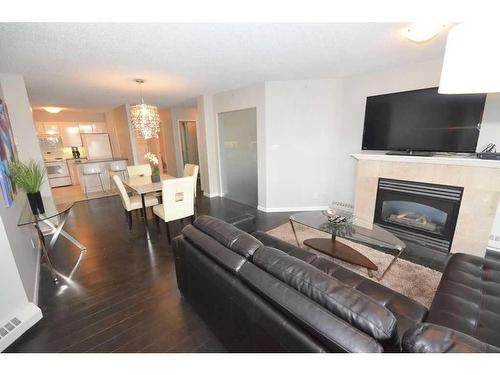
[52, 211]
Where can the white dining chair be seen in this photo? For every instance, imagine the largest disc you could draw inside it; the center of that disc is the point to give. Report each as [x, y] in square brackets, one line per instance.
[131, 203]
[191, 170]
[178, 201]
[140, 170]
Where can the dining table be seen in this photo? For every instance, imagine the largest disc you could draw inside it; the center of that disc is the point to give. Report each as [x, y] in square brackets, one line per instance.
[143, 185]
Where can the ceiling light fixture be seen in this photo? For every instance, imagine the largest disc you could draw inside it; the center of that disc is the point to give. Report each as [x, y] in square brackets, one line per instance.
[145, 118]
[471, 60]
[420, 32]
[53, 109]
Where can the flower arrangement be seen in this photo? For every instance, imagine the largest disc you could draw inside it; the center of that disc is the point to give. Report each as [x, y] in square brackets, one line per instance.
[153, 159]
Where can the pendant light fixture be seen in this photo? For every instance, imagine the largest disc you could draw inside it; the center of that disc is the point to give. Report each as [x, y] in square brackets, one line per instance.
[471, 62]
[145, 118]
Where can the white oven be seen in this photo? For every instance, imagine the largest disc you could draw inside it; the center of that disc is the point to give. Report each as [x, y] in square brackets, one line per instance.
[57, 172]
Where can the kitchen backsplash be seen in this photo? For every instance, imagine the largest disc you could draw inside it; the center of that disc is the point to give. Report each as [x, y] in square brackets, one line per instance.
[68, 154]
[63, 152]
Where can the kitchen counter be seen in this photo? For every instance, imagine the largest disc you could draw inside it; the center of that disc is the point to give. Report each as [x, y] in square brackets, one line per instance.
[87, 161]
[98, 181]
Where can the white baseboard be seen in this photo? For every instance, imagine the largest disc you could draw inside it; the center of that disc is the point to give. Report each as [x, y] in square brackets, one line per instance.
[28, 315]
[292, 209]
[208, 195]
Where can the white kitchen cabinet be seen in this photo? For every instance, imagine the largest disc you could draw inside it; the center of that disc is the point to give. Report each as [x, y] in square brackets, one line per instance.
[40, 129]
[86, 128]
[47, 128]
[51, 128]
[100, 127]
[95, 127]
[70, 134]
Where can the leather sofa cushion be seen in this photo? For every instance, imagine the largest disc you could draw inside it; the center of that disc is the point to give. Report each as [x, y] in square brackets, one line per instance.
[345, 302]
[468, 298]
[406, 311]
[332, 331]
[228, 235]
[214, 249]
[431, 338]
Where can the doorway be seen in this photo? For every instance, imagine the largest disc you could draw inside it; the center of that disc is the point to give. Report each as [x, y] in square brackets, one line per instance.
[189, 143]
[189, 146]
[238, 155]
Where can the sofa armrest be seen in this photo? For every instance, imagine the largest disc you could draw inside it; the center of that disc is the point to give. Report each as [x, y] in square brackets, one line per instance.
[433, 338]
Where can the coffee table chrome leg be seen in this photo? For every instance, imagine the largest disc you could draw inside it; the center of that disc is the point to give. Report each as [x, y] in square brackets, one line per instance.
[65, 234]
[57, 230]
[294, 233]
[45, 254]
[396, 257]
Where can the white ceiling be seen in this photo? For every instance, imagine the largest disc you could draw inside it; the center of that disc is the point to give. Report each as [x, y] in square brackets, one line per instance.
[93, 65]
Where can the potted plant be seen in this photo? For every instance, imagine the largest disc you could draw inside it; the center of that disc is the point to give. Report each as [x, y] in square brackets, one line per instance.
[29, 176]
[153, 159]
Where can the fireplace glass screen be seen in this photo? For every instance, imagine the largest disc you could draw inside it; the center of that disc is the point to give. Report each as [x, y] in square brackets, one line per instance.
[414, 215]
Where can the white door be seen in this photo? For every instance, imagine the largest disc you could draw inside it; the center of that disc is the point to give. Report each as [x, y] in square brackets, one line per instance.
[238, 155]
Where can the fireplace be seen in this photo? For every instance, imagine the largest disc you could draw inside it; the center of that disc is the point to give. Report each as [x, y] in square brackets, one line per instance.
[421, 213]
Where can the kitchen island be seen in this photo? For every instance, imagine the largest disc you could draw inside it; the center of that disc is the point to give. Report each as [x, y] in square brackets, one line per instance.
[95, 175]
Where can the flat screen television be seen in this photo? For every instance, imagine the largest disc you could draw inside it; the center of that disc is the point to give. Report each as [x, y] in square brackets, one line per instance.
[423, 120]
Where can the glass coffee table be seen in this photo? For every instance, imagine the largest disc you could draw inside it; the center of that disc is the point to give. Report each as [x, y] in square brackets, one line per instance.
[353, 229]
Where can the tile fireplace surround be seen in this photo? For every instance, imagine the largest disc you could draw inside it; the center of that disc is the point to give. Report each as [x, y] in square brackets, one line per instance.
[479, 178]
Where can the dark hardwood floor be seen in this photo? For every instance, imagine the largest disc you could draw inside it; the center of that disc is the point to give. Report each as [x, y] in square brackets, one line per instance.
[123, 297]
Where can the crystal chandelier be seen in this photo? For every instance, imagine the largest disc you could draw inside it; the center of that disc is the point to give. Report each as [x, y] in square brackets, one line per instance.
[145, 118]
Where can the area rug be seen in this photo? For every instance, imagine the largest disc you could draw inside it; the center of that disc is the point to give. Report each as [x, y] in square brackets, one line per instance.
[412, 280]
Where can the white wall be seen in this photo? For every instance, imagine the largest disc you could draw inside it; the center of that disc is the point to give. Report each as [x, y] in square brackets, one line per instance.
[209, 106]
[244, 98]
[307, 130]
[356, 89]
[490, 132]
[303, 130]
[206, 137]
[13, 301]
[13, 92]
[409, 77]
[490, 126]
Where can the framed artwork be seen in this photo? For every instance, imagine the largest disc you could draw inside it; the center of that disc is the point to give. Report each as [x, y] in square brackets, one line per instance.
[7, 153]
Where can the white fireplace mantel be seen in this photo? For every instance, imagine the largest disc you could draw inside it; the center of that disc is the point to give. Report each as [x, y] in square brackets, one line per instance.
[466, 161]
[480, 180]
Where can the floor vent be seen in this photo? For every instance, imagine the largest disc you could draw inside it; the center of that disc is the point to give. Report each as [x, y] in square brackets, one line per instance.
[7, 328]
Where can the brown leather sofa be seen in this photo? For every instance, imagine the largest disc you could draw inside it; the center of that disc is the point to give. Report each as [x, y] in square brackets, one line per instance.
[465, 313]
[261, 294]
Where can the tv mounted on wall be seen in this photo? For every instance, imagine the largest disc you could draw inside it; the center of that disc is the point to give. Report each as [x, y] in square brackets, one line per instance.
[423, 120]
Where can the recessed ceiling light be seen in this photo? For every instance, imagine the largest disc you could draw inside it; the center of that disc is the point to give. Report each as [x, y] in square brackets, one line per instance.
[53, 109]
[420, 32]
